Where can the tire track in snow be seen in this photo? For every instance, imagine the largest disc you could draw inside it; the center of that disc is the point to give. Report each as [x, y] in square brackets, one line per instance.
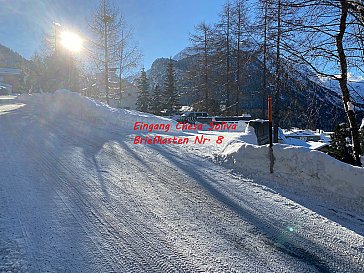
[10, 201]
[325, 255]
[140, 170]
[45, 163]
[136, 234]
[131, 162]
[92, 143]
[187, 188]
[297, 247]
[85, 210]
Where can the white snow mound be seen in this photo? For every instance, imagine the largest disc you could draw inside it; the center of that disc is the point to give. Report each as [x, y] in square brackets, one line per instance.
[71, 104]
[303, 168]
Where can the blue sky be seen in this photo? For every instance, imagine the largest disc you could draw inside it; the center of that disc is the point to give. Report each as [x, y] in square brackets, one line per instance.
[161, 27]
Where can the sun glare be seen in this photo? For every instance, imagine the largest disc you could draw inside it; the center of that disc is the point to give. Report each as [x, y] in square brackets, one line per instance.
[71, 41]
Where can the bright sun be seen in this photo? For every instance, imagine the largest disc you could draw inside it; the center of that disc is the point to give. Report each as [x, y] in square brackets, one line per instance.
[71, 41]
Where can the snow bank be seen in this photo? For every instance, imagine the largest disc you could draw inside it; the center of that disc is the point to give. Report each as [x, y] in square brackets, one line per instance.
[249, 136]
[299, 168]
[72, 105]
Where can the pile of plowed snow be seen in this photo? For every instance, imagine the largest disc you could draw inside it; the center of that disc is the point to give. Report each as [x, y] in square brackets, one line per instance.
[71, 104]
[300, 169]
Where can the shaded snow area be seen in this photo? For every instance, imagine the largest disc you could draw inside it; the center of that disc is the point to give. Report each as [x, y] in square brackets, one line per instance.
[77, 195]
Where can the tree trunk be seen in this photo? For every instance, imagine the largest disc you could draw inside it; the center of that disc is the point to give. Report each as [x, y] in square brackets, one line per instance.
[343, 81]
[228, 60]
[121, 65]
[206, 69]
[106, 55]
[276, 105]
[264, 91]
[237, 108]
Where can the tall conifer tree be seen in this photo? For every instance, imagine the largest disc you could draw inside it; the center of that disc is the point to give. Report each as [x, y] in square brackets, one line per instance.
[143, 95]
[156, 106]
[170, 95]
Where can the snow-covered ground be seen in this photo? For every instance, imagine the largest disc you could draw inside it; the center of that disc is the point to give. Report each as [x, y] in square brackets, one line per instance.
[77, 195]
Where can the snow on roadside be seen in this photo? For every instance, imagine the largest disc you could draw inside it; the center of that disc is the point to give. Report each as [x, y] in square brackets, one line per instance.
[90, 110]
[300, 169]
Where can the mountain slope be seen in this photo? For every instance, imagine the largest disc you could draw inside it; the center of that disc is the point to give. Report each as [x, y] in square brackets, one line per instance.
[9, 58]
[305, 102]
[356, 87]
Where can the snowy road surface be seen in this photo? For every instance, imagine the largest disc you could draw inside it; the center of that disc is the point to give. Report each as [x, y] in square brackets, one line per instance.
[76, 197]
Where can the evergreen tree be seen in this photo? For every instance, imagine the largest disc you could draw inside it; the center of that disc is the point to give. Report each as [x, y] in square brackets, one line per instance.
[361, 132]
[340, 146]
[170, 95]
[143, 95]
[156, 106]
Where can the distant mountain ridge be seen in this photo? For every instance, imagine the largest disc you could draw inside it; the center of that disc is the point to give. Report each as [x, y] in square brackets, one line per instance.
[313, 100]
[184, 54]
[355, 85]
[158, 71]
[10, 58]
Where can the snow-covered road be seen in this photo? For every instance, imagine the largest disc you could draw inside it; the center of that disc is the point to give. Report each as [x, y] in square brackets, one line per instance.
[76, 197]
